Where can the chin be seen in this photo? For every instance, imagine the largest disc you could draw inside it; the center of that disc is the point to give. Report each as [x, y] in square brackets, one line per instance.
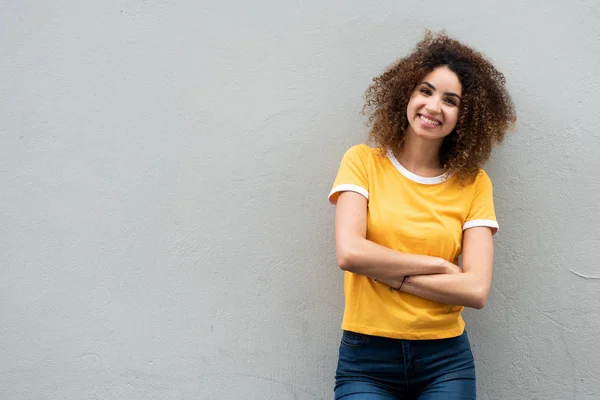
[429, 135]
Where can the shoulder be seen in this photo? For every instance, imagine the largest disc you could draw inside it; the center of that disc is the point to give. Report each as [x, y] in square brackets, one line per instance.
[483, 179]
[481, 186]
[363, 152]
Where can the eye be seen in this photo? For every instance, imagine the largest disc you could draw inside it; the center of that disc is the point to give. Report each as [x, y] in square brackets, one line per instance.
[426, 91]
[451, 101]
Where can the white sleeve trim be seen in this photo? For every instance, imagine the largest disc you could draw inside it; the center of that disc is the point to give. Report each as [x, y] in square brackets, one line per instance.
[348, 188]
[482, 222]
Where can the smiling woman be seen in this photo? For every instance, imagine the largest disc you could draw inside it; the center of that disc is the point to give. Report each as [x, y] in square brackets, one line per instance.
[405, 211]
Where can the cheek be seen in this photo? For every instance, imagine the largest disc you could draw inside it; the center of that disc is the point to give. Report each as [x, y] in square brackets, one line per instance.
[413, 105]
[454, 116]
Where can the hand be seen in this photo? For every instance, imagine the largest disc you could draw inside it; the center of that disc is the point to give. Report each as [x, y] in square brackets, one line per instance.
[452, 268]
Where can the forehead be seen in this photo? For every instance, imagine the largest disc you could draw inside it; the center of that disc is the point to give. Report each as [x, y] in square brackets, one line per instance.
[444, 79]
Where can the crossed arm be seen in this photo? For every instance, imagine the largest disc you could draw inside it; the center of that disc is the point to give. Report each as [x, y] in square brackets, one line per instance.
[429, 277]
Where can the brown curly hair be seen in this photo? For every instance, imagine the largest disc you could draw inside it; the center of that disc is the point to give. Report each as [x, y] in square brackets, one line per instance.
[486, 110]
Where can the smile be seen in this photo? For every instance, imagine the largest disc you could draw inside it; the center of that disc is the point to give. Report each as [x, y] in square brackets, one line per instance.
[429, 121]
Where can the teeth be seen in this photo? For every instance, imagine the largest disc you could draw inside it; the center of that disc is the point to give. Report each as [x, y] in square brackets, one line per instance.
[429, 121]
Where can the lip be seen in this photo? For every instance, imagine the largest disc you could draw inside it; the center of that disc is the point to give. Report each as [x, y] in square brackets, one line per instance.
[430, 117]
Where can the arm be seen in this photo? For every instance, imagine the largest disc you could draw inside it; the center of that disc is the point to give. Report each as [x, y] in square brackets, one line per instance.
[469, 288]
[358, 255]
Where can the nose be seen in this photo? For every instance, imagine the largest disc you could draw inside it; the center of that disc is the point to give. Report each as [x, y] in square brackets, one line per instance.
[433, 105]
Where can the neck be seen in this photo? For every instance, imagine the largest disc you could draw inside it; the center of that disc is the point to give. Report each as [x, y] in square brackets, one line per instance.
[421, 156]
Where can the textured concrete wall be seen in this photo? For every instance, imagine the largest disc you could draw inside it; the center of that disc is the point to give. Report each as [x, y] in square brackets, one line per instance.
[164, 166]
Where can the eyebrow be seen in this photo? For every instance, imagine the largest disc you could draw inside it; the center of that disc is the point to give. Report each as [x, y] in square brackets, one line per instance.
[433, 87]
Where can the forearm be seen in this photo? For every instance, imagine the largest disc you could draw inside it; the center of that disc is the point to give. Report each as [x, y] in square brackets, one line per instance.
[367, 258]
[464, 289]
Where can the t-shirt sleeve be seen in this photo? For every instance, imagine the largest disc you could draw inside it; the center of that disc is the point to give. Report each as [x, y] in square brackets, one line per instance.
[482, 211]
[352, 175]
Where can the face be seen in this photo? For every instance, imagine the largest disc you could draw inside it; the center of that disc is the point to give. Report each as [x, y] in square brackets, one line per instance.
[433, 106]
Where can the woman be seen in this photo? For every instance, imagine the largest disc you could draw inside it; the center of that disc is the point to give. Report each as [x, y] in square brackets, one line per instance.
[405, 212]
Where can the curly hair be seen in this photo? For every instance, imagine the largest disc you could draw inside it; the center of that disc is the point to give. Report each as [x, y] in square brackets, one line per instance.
[486, 110]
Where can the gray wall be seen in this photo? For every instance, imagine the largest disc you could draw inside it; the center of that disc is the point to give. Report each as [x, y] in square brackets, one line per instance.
[164, 166]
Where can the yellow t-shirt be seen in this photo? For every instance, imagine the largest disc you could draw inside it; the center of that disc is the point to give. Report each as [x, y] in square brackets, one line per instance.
[411, 214]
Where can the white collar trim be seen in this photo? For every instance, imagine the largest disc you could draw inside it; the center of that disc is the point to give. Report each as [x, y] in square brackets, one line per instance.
[414, 177]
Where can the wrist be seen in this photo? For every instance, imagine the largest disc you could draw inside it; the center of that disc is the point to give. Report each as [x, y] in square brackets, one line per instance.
[443, 266]
[446, 267]
[451, 268]
[401, 283]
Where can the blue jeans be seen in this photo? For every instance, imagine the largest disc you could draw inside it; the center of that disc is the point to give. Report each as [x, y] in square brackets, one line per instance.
[379, 368]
